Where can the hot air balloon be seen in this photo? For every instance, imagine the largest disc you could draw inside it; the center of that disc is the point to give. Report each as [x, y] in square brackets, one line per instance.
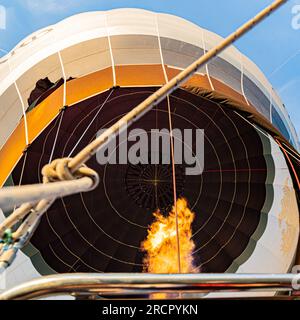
[63, 84]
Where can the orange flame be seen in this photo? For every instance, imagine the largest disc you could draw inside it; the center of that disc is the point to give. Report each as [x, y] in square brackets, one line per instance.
[161, 243]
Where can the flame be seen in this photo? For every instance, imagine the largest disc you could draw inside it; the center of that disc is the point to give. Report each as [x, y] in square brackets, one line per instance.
[161, 243]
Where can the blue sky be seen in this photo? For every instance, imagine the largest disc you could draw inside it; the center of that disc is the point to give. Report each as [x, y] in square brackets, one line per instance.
[274, 45]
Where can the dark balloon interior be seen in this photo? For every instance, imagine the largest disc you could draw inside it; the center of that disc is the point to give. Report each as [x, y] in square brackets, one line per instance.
[101, 231]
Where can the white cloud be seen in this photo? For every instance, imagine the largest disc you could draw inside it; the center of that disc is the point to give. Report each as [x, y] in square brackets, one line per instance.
[49, 6]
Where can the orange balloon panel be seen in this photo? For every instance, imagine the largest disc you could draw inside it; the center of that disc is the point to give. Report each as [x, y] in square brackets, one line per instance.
[83, 88]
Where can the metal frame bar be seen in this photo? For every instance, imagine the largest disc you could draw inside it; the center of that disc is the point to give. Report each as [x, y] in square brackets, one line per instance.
[15, 196]
[130, 284]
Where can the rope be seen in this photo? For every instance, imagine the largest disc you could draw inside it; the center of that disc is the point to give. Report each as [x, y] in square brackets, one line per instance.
[55, 172]
[58, 170]
[172, 149]
[174, 185]
[290, 162]
[73, 169]
[90, 124]
[262, 132]
[56, 135]
[62, 111]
